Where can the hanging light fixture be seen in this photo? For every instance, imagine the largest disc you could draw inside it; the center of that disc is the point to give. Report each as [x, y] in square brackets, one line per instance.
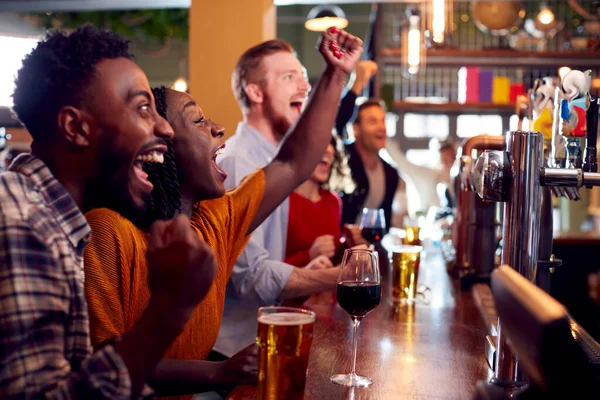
[412, 42]
[438, 20]
[414, 45]
[545, 16]
[544, 25]
[323, 17]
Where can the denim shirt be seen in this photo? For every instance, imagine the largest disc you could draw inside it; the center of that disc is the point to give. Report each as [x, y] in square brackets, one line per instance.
[259, 274]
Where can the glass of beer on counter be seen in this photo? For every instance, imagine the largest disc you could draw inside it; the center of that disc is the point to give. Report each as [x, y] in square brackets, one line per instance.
[405, 273]
[284, 338]
[412, 232]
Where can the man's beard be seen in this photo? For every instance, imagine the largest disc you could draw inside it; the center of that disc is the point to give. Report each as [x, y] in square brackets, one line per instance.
[279, 122]
[108, 194]
[111, 189]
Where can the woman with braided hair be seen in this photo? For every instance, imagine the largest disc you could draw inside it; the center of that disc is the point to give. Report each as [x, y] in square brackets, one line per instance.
[165, 201]
[116, 272]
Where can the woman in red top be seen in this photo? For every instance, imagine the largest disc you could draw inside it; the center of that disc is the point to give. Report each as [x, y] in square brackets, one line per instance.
[315, 213]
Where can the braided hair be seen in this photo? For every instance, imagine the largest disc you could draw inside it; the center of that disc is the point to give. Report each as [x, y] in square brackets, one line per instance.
[165, 200]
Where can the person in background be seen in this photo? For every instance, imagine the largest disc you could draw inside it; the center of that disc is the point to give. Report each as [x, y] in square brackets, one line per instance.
[314, 223]
[594, 286]
[447, 158]
[426, 180]
[271, 87]
[90, 112]
[376, 180]
[365, 70]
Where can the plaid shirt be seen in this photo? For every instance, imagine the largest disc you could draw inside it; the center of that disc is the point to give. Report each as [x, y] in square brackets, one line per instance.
[45, 348]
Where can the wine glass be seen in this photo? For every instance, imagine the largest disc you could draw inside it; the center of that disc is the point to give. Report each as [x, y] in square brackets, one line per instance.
[358, 292]
[372, 224]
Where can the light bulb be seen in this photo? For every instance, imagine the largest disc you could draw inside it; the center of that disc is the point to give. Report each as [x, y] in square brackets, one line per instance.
[438, 23]
[546, 16]
[414, 45]
[324, 23]
[180, 85]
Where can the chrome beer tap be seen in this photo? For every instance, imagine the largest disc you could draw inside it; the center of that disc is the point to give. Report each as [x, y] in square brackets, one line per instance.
[517, 177]
[474, 219]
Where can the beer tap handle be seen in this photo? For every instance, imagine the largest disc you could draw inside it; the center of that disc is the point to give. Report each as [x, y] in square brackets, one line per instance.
[591, 159]
[564, 109]
[523, 109]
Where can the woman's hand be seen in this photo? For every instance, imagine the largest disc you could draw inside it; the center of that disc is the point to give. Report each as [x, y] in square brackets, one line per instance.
[322, 246]
[353, 235]
[240, 369]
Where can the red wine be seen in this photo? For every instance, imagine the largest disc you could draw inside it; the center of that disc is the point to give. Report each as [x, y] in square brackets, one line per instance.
[372, 235]
[358, 298]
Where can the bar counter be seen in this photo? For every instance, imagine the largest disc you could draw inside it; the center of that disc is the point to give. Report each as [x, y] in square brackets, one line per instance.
[424, 351]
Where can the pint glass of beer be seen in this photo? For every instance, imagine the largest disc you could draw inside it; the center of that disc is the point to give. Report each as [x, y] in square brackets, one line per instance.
[411, 227]
[405, 273]
[284, 338]
[412, 235]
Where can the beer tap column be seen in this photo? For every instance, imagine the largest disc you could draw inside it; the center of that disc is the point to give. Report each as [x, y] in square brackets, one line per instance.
[521, 210]
[469, 255]
[516, 177]
[513, 177]
[520, 231]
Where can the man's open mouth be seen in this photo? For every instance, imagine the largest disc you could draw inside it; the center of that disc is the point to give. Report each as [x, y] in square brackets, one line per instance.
[156, 154]
[297, 105]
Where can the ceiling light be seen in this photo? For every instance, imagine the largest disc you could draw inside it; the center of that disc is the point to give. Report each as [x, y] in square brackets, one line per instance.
[321, 18]
[438, 23]
[545, 16]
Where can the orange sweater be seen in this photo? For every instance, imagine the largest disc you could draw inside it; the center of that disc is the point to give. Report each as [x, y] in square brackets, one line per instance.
[116, 275]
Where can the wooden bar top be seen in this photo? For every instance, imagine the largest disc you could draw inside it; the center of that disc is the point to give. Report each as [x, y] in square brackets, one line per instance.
[424, 351]
[576, 238]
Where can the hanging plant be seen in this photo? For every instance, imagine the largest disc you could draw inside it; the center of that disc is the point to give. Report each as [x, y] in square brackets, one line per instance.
[150, 28]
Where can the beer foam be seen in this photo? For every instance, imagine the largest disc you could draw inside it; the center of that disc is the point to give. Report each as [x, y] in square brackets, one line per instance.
[286, 319]
[405, 248]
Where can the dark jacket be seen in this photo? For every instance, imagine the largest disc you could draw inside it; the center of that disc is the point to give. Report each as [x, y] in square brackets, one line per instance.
[352, 203]
[345, 113]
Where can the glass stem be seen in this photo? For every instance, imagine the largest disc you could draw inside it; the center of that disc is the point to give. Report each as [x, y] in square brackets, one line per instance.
[356, 321]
